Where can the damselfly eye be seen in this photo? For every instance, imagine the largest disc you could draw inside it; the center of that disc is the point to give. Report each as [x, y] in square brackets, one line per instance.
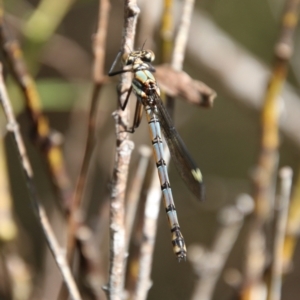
[148, 56]
[127, 59]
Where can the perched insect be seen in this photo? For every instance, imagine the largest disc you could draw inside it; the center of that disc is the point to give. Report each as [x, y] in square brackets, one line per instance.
[148, 97]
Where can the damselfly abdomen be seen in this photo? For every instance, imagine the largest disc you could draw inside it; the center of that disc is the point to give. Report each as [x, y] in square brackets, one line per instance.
[148, 94]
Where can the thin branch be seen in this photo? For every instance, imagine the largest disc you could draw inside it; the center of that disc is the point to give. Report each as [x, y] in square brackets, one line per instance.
[58, 254]
[267, 162]
[123, 151]
[293, 228]
[48, 141]
[99, 53]
[117, 214]
[152, 207]
[167, 31]
[8, 227]
[208, 265]
[90, 266]
[180, 84]
[180, 46]
[182, 35]
[134, 192]
[274, 289]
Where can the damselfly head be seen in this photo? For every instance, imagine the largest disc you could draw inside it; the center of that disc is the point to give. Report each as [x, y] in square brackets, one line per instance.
[143, 55]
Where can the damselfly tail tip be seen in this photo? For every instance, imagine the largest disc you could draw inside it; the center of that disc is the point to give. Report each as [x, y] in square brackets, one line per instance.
[181, 256]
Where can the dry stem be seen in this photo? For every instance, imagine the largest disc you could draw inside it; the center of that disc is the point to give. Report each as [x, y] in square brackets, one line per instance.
[123, 152]
[274, 289]
[44, 138]
[267, 162]
[99, 53]
[13, 128]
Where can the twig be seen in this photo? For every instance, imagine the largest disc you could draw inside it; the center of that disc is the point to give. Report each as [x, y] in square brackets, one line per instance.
[90, 268]
[180, 45]
[122, 158]
[208, 265]
[8, 227]
[152, 206]
[167, 31]
[274, 289]
[180, 84]
[117, 214]
[293, 227]
[182, 35]
[267, 162]
[13, 128]
[48, 141]
[134, 192]
[99, 53]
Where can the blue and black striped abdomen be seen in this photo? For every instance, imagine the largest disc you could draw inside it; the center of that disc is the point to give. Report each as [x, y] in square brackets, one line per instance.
[157, 143]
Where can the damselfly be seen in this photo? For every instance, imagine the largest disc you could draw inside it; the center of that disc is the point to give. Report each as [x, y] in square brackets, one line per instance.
[148, 96]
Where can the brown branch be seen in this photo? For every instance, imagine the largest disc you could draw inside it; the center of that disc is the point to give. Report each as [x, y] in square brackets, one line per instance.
[123, 151]
[99, 53]
[180, 84]
[282, 207]
[182, 34]
[267, 162]
[45, 138]
[135, 190]
[90, 267]
[60, 259]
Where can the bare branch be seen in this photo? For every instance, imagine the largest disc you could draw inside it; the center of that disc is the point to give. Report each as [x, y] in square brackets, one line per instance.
[178, 83]
[134, 192]
[120, 173]
[274, 288]
[152, 207]
[58, 254]
[268, 157]
[182, 34]
[99, 53]
[48, 141]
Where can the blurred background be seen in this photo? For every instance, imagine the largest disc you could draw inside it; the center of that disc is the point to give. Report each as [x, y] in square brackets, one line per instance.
[230, 48]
